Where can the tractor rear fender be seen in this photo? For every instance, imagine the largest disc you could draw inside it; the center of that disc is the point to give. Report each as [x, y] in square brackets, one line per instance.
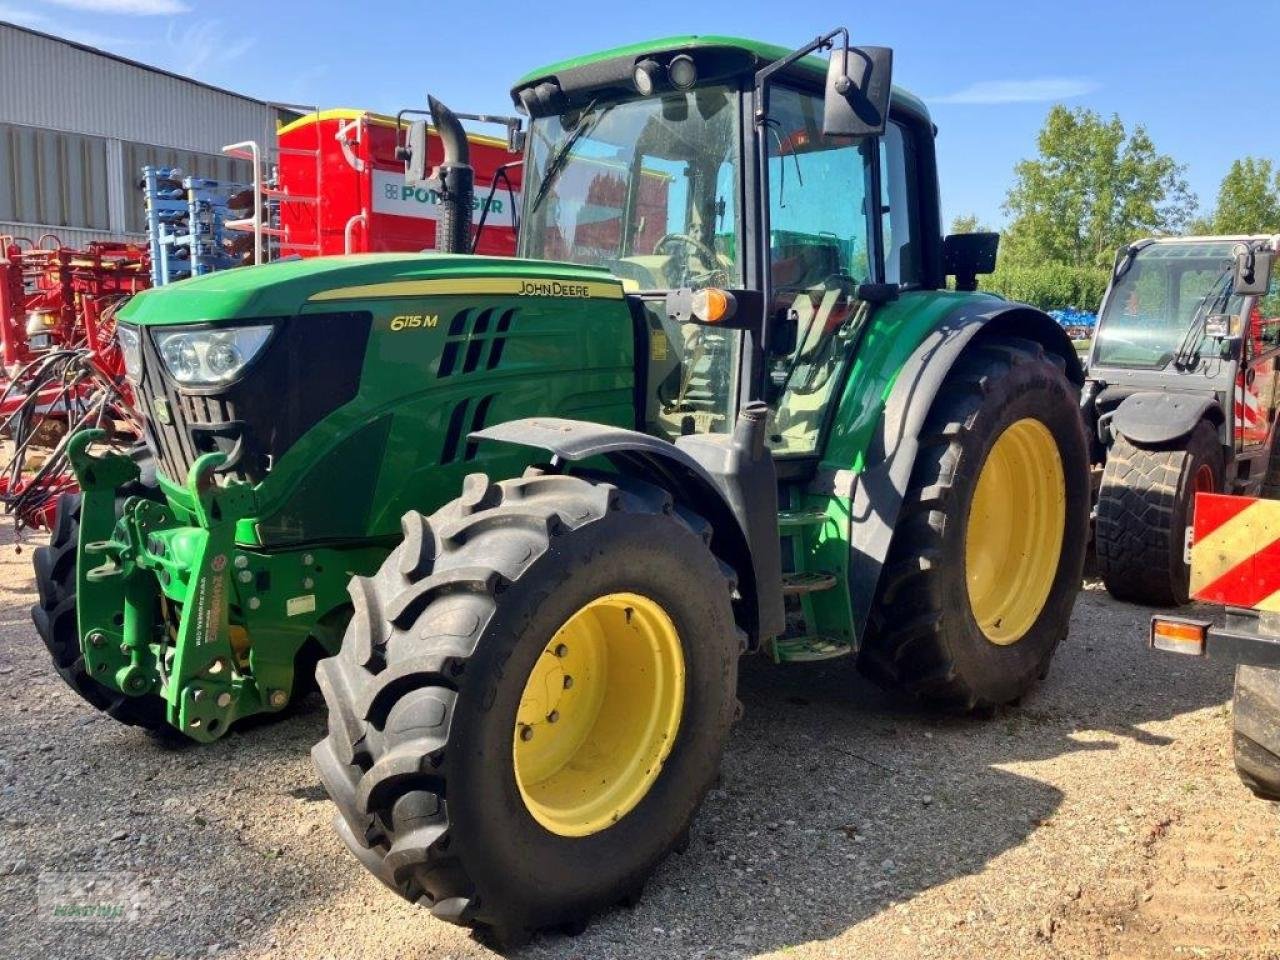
[711, 475]
[1153, 418]
[891, 455]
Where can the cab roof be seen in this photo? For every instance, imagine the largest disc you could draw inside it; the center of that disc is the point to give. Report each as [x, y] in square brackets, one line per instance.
[754, 55]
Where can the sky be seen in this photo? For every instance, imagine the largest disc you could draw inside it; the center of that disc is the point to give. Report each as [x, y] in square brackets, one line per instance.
[1194, 72]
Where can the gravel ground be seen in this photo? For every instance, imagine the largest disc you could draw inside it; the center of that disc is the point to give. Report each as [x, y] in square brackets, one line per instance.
[1101, 818]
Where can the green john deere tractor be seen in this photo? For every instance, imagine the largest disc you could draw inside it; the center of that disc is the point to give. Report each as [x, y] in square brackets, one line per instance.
[761, 423]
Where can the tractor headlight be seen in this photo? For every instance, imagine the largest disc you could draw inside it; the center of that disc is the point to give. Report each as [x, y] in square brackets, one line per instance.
[131, 349]
[206, 358]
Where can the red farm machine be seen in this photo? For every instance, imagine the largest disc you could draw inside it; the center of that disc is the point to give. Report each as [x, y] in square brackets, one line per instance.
[332, 184]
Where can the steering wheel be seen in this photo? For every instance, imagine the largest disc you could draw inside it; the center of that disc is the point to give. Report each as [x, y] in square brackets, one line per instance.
[704, 253]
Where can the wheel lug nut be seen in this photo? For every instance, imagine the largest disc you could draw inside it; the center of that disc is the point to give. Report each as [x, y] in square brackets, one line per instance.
[568, 681]
[553, 716]
[526, 733]
[561, 650]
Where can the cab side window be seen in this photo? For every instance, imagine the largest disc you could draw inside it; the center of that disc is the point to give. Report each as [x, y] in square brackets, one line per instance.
[900, 202]
[820, 242]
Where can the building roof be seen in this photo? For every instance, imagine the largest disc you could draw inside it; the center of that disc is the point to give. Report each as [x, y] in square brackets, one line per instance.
[141, 66]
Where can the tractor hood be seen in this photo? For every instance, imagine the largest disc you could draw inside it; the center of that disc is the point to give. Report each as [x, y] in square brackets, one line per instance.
[294, 287]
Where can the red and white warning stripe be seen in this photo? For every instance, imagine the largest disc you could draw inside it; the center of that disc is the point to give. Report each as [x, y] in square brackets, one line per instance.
[1235, 551]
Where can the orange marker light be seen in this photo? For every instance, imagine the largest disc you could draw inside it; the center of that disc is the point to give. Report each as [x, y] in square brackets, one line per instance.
[711, 305]
[1179, 635]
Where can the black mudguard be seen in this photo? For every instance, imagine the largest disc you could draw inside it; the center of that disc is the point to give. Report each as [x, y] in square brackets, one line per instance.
[878, 495]
[1154, 419]
[731, 487]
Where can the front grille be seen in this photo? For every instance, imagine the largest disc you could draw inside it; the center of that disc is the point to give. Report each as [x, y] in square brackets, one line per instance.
[309, 368]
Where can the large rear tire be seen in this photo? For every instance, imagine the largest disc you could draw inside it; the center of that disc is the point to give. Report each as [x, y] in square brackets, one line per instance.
[54, 615]
[986, 560]
[1144, 508]
[531, 700]
[1255, 715]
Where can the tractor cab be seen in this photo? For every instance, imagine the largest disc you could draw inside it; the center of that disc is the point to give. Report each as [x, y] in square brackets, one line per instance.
[662, 169]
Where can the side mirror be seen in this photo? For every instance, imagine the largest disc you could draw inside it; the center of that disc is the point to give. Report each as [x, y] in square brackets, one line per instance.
[1252, 272]
[414, 153]
[966, 255]
[859, 84]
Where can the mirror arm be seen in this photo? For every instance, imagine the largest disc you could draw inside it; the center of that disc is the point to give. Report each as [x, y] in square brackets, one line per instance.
[763, 76]
[761, 124]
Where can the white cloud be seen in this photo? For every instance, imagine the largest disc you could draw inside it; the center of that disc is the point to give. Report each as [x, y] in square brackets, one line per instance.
[133, 8]
[1041, 90]
[204, 44]
[38, 21]
[26, 18]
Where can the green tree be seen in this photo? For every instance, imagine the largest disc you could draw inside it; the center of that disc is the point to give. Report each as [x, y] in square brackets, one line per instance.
[969, 223]
[1248, 200]
[1093, 187]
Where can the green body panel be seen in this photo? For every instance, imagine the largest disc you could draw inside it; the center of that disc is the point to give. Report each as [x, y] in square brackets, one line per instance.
[764, 53]
[286, 287]
[235, 578]
[893, 334]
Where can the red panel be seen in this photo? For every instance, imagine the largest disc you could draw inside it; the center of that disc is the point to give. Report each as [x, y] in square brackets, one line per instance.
[346, 192]
[1212, 510]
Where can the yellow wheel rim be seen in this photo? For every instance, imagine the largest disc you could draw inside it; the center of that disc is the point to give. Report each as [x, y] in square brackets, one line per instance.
[1016, 524]
[599, 714]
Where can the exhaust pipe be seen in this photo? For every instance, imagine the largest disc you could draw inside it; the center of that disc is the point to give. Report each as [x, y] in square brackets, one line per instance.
[454, 180]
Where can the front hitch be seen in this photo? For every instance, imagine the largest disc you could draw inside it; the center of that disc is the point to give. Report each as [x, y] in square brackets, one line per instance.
[136, 570]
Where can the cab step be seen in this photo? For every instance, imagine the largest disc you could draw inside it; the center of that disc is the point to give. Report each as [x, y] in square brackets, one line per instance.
[791, 519]
[809, 649]
[807, 582]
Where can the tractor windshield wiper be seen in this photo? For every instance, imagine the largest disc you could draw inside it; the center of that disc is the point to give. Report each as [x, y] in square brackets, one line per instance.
[1188, 354]
[586, 123]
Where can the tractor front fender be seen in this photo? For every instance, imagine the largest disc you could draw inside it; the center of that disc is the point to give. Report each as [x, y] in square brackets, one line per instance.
[735, 494]
[1153, 418]
[891, 455]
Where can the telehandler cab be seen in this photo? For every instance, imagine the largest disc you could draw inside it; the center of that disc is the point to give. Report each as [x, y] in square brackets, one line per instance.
[829, 454]
[761, 423]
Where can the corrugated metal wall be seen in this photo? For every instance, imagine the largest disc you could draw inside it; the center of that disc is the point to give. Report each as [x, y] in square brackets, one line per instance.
[51, 85]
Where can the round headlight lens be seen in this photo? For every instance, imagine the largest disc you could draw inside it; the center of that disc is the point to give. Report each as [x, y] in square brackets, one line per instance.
[646, 77]
[223, 358]
[181, 358]
[683, 72]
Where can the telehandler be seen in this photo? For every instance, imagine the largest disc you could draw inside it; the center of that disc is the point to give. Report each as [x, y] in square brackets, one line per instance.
[761, 423]
[1181, 399]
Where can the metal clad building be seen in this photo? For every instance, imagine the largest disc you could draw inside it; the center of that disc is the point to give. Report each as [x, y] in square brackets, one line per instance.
[77, 124]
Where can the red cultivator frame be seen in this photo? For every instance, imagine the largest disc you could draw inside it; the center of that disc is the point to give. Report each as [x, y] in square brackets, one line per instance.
[62, 367]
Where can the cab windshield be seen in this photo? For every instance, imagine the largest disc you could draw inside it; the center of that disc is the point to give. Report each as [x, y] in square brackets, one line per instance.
[1153, 304]
[649, 189]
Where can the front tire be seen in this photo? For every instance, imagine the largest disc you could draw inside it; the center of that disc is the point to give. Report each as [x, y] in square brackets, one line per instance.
[442, 753]
[986, 559]
[1144, 507]
[1255, 717]
[55, 618]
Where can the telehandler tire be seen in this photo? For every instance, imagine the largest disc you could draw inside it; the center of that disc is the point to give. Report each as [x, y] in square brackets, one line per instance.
[1255, 717]
[1144, 508]
[986, 559]
[54, 614]
[531, 701]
